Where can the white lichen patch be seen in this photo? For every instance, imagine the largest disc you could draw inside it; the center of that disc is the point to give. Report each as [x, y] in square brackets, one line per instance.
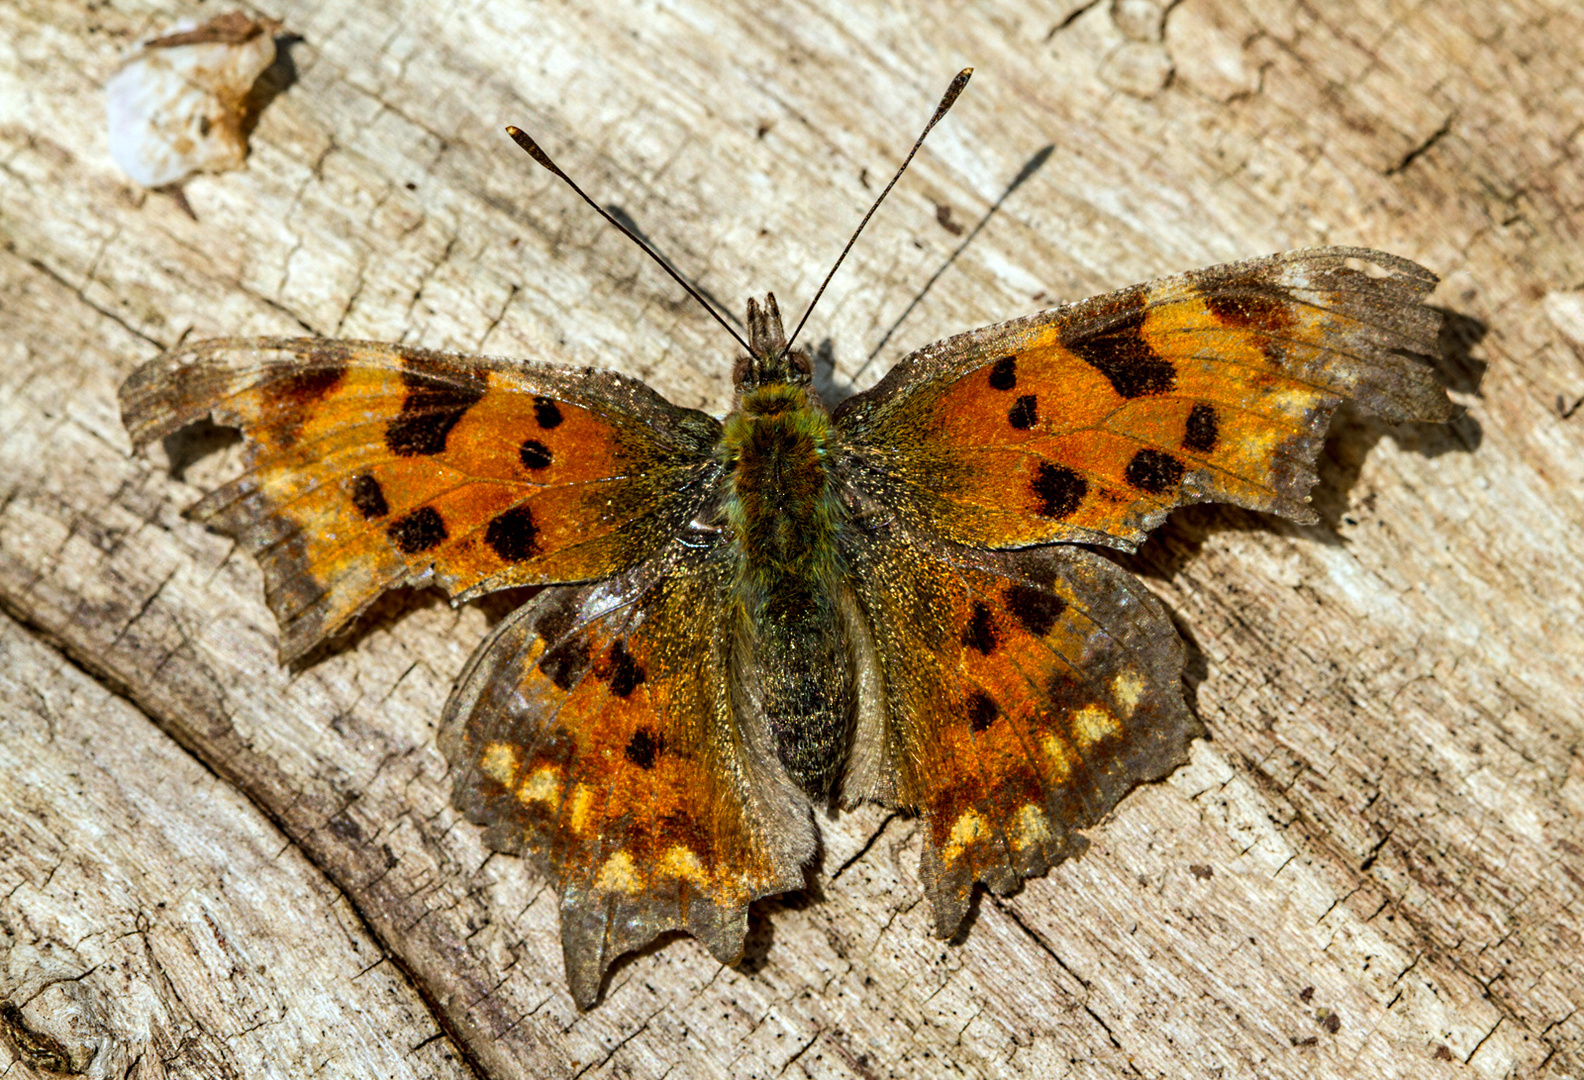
[178, 105]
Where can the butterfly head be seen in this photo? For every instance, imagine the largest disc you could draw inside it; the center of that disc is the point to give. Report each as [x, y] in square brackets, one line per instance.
[768, 360]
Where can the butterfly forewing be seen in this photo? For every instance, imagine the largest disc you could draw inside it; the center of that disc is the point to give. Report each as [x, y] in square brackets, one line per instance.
[1091, 421]
[597, 731]
[370, 466]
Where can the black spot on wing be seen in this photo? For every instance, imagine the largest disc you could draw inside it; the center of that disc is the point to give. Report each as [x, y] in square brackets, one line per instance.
[1117, 349]
[982, 711]
[418, 531]
[368, 498]
[304, 386]
[1003, 373]
[546, 413]
[644, 746]
[1024, 413]
[290, 399]
[1249, 302]
[565, 664]
[625, 673]
[534, 454]
[512, 534]
[980, 633]
[1063, 689]
[1059, 490]
[1203, 430]
[1154, 472]
[1035, 609]
[437, 398]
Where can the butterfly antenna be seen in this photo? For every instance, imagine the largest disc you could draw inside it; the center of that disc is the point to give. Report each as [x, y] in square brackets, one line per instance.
[524, 140]
[947, 100]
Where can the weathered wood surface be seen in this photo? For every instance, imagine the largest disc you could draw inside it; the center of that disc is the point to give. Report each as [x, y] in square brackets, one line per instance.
[1374, 867]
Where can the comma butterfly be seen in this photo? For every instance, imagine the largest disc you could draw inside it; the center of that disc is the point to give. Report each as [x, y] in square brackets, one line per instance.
[796, 607]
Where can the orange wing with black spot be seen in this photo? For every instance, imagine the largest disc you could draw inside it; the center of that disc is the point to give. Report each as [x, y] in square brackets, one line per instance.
[370, 466]
[597, 732]
[1022, 693]
[1025, 693]
[1090, 422]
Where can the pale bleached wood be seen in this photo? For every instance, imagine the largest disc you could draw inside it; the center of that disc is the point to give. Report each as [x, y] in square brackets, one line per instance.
[1373, 868]
[145, 919]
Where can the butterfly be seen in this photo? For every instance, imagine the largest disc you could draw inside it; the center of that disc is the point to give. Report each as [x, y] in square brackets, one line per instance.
[795, 607]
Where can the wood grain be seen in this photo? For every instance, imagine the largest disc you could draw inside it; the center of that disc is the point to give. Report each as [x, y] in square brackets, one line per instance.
[1374, 866]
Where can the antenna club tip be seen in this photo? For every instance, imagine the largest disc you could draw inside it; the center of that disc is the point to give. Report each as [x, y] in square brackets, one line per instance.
[524, 140]
[959, 81]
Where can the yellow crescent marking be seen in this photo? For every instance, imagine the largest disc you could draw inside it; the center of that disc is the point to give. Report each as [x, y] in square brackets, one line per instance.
[543, 785]
[1029, 827]
[500, 763]
[1061, 760]
[582, 800]
[969, 826]
[680, 862]
[618, 875]
[1128, 688]
[1091, 724]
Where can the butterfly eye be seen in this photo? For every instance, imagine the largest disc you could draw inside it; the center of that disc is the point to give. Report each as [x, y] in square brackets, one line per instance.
[740, 370]
[801, 362]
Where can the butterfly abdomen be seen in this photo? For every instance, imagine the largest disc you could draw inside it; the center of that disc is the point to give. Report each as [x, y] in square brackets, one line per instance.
[785, 516]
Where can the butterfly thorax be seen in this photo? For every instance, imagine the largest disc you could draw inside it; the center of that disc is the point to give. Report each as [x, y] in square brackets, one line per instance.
[782, 509]
[784, 514]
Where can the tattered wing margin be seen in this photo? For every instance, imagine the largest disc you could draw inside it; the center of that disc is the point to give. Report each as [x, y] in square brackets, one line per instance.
[1378, 349]
[1397, 335]
[1133, 633]
[225, 379]
[1158, 735]
[598, 928]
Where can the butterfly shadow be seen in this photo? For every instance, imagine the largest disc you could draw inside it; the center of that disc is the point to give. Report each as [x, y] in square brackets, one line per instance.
[186, 446]
[279, 77]
[833, 389]
[943, 214]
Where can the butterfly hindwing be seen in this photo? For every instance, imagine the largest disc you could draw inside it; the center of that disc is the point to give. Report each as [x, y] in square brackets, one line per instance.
[598, 732]
[370, 466]
[1022, 695]
[1091, 421]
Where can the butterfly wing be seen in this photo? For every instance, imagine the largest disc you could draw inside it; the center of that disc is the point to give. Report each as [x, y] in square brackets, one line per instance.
[1024, 692]
[370, 466]
[596, 731]
[1090, 422]
[1022, 695]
